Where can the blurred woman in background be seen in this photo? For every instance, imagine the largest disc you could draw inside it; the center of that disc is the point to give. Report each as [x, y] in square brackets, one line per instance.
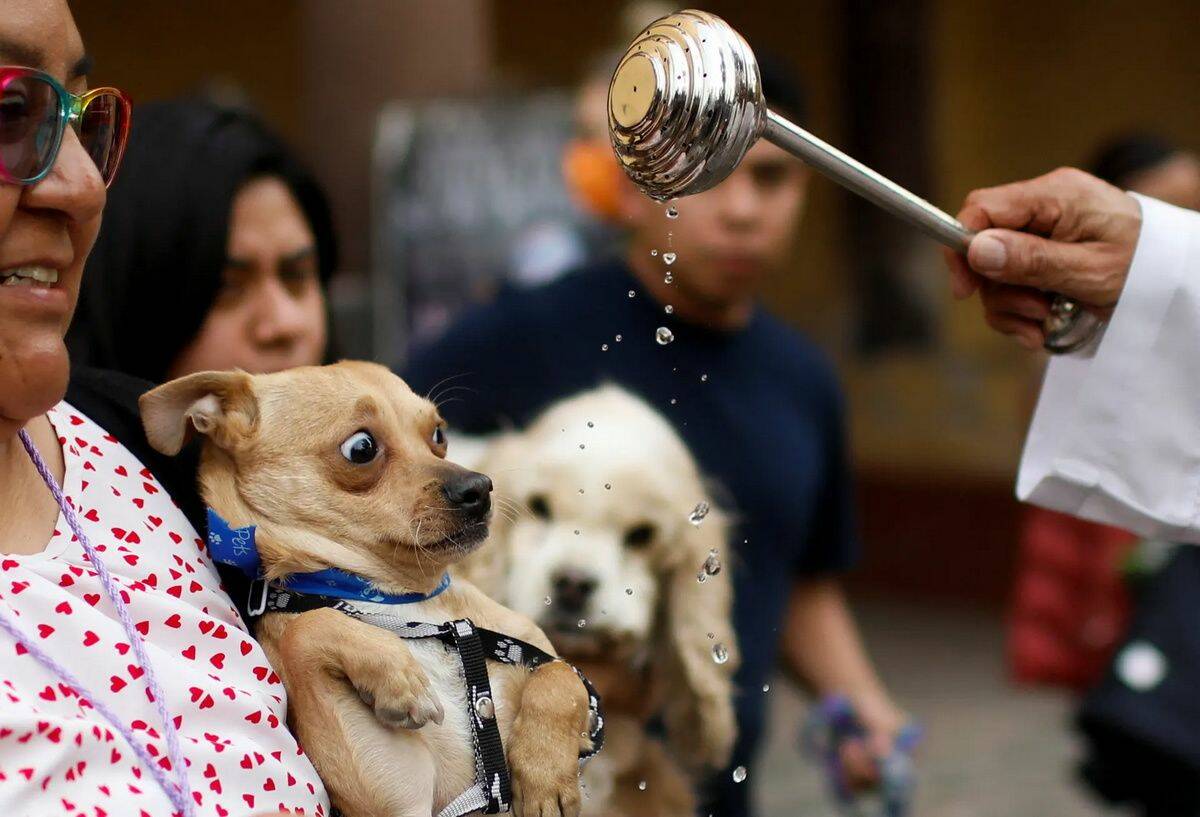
[214, 254]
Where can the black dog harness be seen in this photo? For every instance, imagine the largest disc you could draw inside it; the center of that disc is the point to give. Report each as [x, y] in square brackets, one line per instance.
[492, 792]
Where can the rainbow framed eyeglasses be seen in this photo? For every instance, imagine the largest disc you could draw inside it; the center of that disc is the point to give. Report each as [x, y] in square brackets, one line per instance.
[35, 111]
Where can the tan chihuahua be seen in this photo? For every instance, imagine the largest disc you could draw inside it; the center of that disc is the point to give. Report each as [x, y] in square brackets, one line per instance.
[344, 467]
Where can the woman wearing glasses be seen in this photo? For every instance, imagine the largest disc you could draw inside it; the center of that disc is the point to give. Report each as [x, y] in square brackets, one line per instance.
[128, 682]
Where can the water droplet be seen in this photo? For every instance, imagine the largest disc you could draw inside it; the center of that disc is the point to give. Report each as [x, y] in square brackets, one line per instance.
[672, 212]
[581, 490]
[608, 486]
[546, 601]
[703, 378]
[698, 513]
[669, 278]
[632, 293]
[618, 338]
[664, 336]
[669, 309]
[711, 636]
[654, 252]
[739, 774]
[577, 531]
[582, 446]
[702, 577]
[629, 591]
[581, 623]
[641, 785]
[712, 565]
[603, 347]
[591, 424]
[674, 401]
[668, 258]
[766, 687]
[720, 654]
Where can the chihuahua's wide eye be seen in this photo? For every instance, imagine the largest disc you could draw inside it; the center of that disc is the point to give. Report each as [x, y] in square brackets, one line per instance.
[360, 448]
[539, 506]
[639, 535]
[439, 437]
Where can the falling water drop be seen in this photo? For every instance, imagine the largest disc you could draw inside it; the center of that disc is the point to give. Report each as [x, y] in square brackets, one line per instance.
[668, 258]
[703, 378]
[618, 338]
[720, 653]
[608, 486]
[581, 623]
[546, 601]
[702, 577]
[664, 336]
[668, 278]
[654, 252]
[669, 309]
[739, 774]
[711, 636]
[632, 293]
[577, 531]
[712, 565]
[582, 446]
[591, 424]
[641, 785]
[698, 513]
[672, 212]
[766, 687]
[629, 591]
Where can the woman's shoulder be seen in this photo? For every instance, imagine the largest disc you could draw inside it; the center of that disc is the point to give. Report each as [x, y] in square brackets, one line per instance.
[110, 400]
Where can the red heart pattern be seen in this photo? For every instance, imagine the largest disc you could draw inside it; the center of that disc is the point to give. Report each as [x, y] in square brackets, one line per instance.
[218, 697]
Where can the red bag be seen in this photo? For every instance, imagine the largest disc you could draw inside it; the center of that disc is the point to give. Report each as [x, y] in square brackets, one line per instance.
[1070, 605]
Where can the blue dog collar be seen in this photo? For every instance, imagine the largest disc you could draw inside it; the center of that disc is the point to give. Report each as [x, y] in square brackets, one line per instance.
[236, 547]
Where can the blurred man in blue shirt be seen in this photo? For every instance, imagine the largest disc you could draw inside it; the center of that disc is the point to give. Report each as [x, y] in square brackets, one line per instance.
[757, 403]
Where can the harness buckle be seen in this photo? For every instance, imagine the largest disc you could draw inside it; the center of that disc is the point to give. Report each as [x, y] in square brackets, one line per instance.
[256, 604]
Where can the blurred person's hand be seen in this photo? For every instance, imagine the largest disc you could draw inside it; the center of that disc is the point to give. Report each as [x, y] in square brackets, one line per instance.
[1065, 232]
[883, 721]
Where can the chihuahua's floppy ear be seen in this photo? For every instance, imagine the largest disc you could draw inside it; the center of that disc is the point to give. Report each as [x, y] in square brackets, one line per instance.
[220, 405]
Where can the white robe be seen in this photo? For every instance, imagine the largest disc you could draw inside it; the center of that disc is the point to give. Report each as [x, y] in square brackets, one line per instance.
[1116, 435]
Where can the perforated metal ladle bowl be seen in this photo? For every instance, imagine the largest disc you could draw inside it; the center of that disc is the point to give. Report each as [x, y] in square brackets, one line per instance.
[685, 105]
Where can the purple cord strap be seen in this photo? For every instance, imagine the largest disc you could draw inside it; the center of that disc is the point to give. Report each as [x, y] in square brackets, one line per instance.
[178, 791]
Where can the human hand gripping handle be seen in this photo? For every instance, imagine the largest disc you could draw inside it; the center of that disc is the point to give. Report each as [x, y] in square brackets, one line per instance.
[1065, 232]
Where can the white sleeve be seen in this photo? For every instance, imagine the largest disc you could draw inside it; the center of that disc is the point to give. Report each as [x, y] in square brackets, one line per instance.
[1116, 435]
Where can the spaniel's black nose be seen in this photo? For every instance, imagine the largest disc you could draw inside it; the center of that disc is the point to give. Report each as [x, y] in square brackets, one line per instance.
[573, 590]
[469, 492]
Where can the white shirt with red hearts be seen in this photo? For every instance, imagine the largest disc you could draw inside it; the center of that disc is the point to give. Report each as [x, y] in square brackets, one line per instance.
[58, 756]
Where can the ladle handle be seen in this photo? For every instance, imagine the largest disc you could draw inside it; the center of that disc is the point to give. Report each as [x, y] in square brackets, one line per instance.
[1069, 326]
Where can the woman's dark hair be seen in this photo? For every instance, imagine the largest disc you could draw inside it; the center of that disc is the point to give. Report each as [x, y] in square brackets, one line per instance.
[1120, 159]
[156, 268]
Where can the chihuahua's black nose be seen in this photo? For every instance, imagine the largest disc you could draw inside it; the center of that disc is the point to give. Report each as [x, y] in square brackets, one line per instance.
[573, 590]
[469, 492]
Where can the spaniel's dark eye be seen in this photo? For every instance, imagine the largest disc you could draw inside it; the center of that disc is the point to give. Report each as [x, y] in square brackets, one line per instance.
[639, 535]
[439, 437]
[539, 507]
[360, 448]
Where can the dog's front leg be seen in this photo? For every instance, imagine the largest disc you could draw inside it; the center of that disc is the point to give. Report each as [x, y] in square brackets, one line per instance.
[332, 665]
[550, 729]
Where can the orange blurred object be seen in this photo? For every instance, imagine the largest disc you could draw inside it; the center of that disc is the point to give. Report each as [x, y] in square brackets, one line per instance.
[593, 177]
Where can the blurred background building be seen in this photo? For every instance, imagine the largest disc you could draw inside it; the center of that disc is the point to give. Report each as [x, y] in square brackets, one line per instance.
[941, 95]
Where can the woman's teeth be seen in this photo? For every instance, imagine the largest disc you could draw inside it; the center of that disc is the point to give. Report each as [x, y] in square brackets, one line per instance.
[28, 277]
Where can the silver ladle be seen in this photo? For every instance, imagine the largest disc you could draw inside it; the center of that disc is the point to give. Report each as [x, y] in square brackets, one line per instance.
[685, 105]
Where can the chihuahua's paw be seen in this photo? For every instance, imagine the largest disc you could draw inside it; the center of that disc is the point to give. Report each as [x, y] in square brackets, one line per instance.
[546, 791]
[403, 700]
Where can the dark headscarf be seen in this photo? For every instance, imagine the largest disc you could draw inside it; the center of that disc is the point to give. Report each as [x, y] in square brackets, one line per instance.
[156, 267]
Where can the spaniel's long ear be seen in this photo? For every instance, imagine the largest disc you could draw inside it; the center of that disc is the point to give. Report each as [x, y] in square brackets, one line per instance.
[220, 405]
[698, 619]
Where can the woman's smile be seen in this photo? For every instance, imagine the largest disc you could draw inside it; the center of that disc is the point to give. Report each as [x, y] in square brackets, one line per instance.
[35, 287]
